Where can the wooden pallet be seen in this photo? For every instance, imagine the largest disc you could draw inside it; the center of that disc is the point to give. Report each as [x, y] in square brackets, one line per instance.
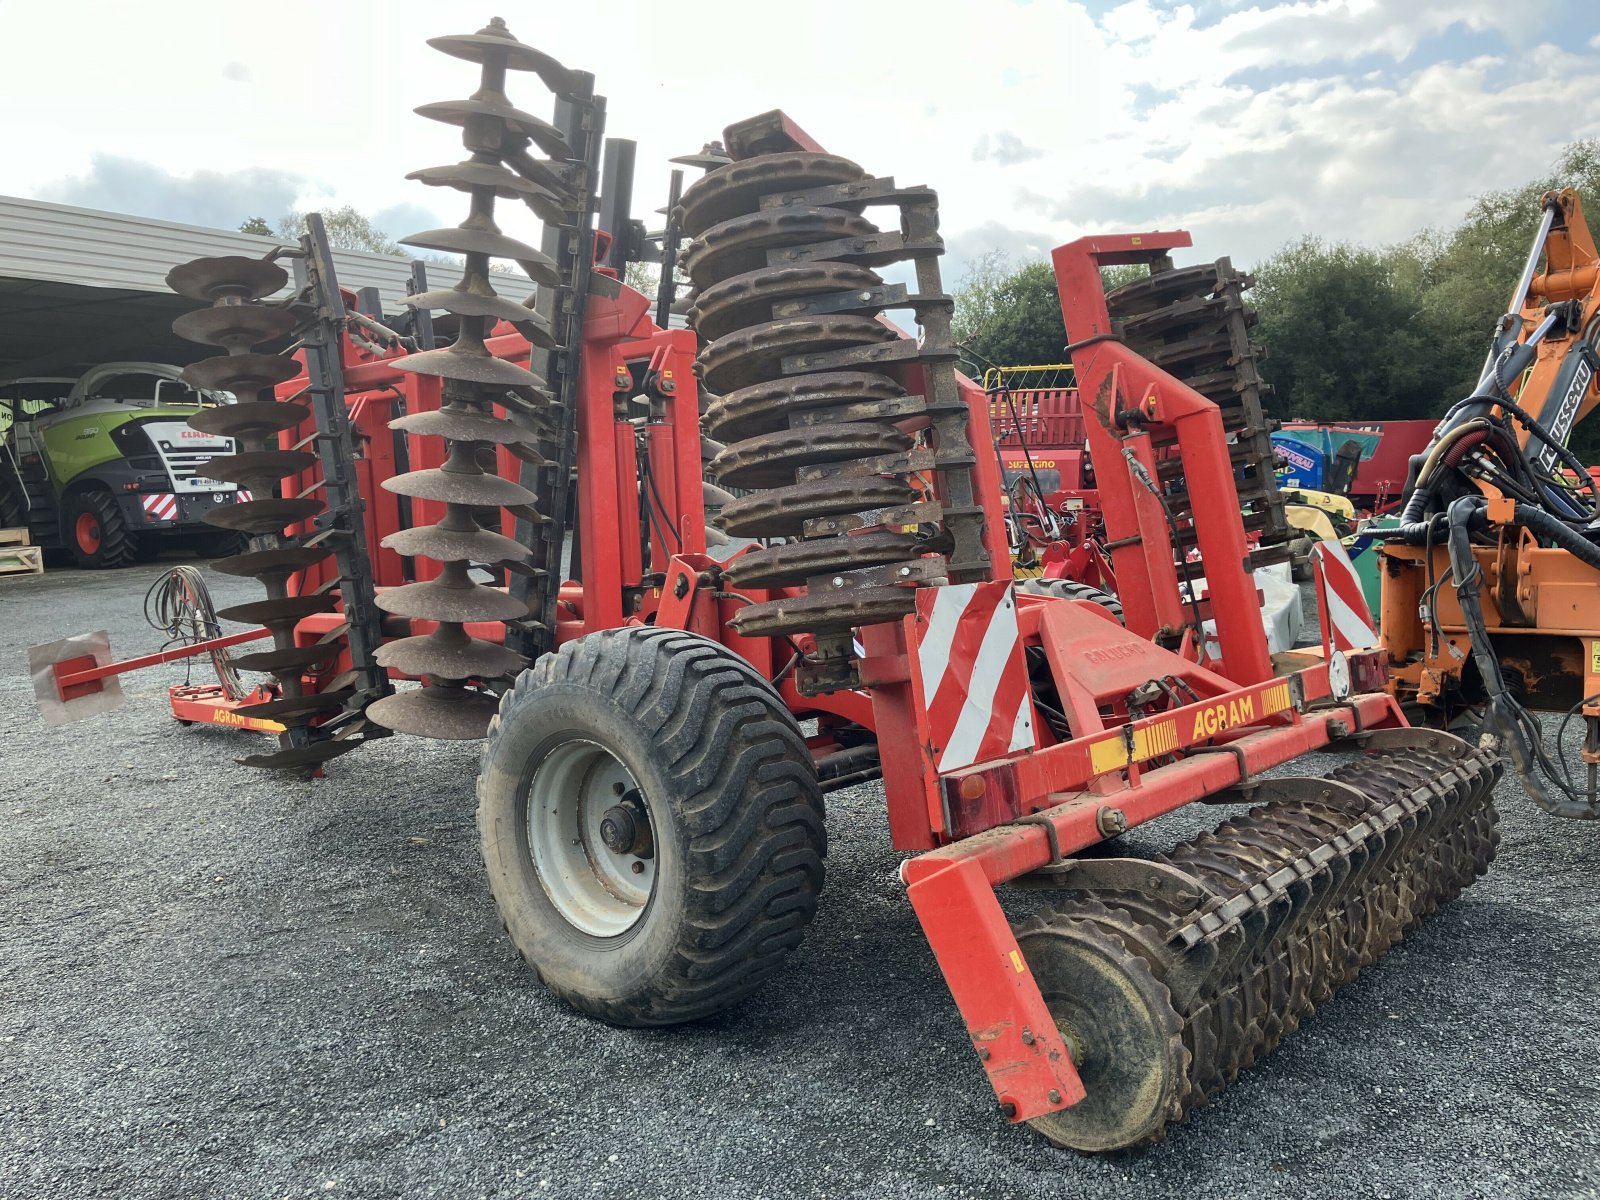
[14, 537]
[21, 560]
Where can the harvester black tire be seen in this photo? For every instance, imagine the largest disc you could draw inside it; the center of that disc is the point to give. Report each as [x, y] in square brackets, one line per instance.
[111, 543]
[1071, 589]
[734, 813]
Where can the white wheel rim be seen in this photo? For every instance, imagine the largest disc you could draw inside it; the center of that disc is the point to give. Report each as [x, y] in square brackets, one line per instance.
[599, 891]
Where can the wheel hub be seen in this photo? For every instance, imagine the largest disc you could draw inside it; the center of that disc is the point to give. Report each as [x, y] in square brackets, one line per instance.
[87, 529]
[625, 827]
[590, 837]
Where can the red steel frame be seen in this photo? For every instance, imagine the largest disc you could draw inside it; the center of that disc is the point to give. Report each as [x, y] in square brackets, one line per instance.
[1058, 799]
[993, 821]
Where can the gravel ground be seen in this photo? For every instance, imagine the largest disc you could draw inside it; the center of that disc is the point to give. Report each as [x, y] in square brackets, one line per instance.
[217, 983]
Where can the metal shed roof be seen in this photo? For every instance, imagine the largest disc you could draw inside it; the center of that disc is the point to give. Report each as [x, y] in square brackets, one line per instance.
[79, 286]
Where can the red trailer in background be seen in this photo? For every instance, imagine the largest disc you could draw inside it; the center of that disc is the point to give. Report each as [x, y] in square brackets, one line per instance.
[1053, 506]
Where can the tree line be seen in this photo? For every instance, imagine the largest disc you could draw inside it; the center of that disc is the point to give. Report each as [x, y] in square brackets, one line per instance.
[1351, 331]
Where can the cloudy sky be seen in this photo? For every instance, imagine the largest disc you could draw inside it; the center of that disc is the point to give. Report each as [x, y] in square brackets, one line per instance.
[1249, 122]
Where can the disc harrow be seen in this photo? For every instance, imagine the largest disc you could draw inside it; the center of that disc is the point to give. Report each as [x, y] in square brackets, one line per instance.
[239, 322]
[1194, 323]
[810, 402]
[1165, 994]
[497, 137]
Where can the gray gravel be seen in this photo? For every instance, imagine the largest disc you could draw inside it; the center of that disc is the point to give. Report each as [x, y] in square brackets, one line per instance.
[216, 983]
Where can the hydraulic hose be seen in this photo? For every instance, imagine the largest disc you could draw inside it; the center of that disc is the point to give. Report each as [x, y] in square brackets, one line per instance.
[1505, 723]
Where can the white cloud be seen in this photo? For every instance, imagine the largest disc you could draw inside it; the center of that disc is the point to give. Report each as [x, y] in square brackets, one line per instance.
[1267, 122]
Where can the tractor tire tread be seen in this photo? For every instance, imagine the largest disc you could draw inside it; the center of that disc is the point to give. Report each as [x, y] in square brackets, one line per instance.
[741, 786]
[119, 546]
[1071, 589]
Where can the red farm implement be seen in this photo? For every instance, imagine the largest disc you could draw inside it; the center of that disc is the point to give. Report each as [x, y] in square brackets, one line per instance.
[650, 807]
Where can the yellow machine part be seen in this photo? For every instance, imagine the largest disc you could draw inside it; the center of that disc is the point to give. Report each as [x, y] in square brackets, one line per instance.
[1311, 520]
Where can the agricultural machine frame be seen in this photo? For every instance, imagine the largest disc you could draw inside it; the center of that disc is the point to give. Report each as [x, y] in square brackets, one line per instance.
[1011, 731]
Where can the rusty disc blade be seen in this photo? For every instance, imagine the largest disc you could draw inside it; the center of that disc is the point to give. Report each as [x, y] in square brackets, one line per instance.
[475, 176]
[453, 714]
[783, 511]
[442, 599]
[795, 562]
[465, 303]
[446, 545]
[449, 654]
[833, 612]
[755, 354]
[1162, 288]
[279, 560]
[741, 243]
[451, 363]
[300, 756]
[249, 417]
[738, 187]
[262, 516]
[464, 425]
[293, 659]
[296, 706]
[1176, 320]
[492, 45]
[210, 279]
[706, 159]
[768, 406]
[280, 608]
[771, 459]
[454, 487]
[471, 175]
[747, 299]
[234, 325]
[540, 267]
[540, 132]
[258, 464]
[241, 374]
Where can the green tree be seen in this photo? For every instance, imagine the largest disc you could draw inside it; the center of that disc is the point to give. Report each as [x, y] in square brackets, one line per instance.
[1468, 273]
[1008, 316]
[256, 225]
[643, 277]
[347, 229]
[1346, 334]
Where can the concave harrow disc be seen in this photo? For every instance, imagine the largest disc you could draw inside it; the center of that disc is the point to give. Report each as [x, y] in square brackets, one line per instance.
[450, 713]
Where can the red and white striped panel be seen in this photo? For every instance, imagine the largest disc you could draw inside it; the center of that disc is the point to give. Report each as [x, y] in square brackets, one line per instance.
[242, 496]
[163, 506]
[1347, 622]
[974, 678]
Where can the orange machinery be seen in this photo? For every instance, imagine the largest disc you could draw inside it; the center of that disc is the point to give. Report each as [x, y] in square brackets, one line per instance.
[1491, 586]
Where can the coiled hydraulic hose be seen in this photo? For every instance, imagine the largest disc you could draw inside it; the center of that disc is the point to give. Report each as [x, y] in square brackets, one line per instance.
[179, 604]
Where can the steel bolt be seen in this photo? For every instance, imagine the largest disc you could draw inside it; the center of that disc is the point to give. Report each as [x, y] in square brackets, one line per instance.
[1027, 1037]
[983, 1053]
[1055, 1096]
[838, 581]
[865, 296]
[636, 867]
[1008, 1110]
[1111, 821]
